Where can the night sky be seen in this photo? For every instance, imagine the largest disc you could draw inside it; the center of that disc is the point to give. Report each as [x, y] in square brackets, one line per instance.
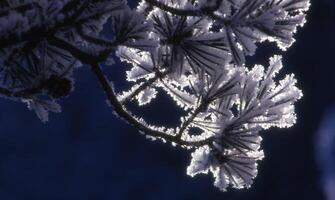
[86, 153]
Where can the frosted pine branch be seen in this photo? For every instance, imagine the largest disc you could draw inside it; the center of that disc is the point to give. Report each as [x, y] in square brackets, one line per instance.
[193, 51]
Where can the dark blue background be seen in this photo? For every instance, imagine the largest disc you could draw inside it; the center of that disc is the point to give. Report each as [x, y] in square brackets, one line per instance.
[87, 153]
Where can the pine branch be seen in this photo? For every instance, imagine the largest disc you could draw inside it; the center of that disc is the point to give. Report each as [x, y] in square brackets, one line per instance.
[142, 87]
[205, 11]
[200, 46]
[38, 32]
[176, 11]
[124, 114]
[194, 114]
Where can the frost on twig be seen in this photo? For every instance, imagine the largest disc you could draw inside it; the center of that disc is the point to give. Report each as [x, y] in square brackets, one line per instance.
[235, 122]
[193, 51]
[260, 20]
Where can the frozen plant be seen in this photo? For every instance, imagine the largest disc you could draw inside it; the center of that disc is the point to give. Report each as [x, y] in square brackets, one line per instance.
[194, 50]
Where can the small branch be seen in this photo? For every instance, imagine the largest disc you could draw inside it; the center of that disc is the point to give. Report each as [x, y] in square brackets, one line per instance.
[176, 11]
[145, 85]
[191, 118]
[205, 11]
[123, 113]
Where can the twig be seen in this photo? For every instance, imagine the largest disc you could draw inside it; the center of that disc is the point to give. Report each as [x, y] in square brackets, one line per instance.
[145, 85]
[205, 11]
[124, 114]
[191, 118]
[176, 11]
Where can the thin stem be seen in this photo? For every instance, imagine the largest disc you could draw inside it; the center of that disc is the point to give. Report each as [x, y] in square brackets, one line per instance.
[208, 11]
[123, 113]
[191, 118]
[143, 86]
[140, 89]
[176, 11]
